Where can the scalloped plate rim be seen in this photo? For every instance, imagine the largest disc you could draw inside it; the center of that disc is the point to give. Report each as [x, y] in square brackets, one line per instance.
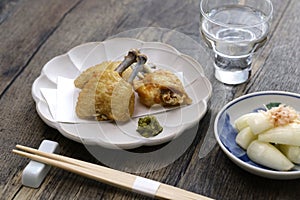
[136, 143]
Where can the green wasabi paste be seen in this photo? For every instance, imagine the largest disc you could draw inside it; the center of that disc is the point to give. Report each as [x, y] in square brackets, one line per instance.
[149, 126]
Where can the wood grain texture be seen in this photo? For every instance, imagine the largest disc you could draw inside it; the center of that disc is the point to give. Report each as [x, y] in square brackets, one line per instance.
[24, 27]
[277, 70]
[33, 32]
[281, 71]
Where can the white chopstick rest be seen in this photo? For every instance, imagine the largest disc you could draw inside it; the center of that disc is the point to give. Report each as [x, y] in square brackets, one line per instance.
[145, 186]
[35, 172]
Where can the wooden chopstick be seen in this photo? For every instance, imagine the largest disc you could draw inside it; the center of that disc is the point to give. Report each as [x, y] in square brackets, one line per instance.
[103, 174]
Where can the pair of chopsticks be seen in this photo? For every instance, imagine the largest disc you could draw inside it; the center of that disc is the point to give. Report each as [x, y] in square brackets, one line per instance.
[107, 175]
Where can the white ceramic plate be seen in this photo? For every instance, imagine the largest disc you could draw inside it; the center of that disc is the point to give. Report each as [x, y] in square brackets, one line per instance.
[225, 133]
[107, 134]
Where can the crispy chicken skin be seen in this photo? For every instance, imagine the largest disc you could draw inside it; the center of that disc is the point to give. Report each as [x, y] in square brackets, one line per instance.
[161, 87]
[85, 76]
[105, 94]
[114, 97]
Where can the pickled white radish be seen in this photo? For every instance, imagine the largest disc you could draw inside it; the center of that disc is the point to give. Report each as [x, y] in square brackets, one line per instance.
[242, 122]
[291, 152]
[245, 137]
[259, 123]
[267, 155]
[288, 134]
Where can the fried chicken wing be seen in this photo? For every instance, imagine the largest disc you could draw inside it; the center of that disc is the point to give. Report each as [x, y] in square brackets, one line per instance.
[107, 95]
[161, 87]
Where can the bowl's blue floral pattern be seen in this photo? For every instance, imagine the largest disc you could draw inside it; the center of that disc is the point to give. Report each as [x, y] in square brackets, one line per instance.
[227, 136]
[226, 133]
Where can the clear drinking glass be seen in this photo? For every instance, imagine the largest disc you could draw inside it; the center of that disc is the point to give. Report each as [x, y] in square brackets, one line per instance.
[235, 30]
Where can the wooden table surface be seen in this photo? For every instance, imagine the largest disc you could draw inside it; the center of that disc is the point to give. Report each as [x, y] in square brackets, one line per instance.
[34, 31]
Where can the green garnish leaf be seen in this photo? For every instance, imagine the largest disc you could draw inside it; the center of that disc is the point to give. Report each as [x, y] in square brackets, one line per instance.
[272, 105]
[149, 126]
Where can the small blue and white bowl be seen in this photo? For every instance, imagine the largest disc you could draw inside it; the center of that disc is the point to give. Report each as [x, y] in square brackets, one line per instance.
[225, 132]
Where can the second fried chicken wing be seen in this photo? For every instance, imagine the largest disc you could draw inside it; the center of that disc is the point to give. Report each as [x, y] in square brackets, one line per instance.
[161, 87]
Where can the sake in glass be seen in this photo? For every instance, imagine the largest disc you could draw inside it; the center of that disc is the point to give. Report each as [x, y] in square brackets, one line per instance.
[235, 30]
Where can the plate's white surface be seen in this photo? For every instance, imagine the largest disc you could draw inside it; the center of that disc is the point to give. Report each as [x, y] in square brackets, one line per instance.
[246, 104]
[110, 135]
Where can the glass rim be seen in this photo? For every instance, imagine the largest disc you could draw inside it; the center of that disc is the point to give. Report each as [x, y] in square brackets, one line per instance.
[269, 16]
